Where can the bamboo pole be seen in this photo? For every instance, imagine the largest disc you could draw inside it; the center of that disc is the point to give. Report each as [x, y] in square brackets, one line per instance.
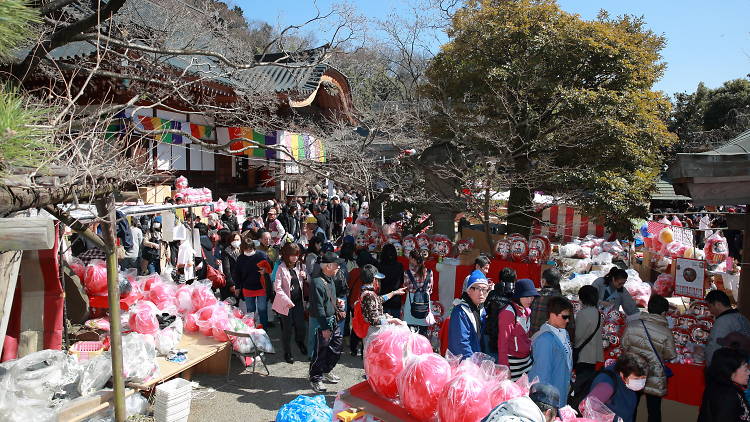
[106, 208]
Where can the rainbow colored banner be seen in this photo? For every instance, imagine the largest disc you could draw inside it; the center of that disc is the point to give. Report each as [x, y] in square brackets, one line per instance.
[249, 134]
[156, 123]
[302, 146]
[201, 131]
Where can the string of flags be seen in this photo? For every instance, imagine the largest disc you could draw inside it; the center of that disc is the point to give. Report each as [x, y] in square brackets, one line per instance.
[300, 146]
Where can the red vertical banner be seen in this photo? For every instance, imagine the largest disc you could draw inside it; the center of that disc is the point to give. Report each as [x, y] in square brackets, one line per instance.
[13, 332]
[568, 229]
[54, 296]
[553, 210]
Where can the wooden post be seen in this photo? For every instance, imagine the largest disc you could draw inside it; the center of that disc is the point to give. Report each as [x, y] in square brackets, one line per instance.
[744, 293]
[106, 208]
[10, 263]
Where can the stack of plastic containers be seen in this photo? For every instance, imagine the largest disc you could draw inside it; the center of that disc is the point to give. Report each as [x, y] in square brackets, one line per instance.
[173, 401]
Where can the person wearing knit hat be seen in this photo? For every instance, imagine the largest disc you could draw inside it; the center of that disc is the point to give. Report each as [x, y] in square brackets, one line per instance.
[465, 330]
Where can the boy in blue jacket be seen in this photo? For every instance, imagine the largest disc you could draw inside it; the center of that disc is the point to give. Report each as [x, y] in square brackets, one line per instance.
[465, 330]
[551, 348]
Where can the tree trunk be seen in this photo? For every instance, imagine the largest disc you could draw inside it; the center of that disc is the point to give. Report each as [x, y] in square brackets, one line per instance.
[519, 207]
[486, 209]
[444, 222]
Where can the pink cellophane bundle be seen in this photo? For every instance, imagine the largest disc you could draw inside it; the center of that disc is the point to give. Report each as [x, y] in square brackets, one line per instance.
[181, 182]
[203, 296]
[716, 249]
[420, 384]
[504, 391]
[184, 299]
[149, 280]
[674, 249]
[143, 317]
[384, 357]
[567, 414]
[219, 325]
[95, 278]
[594, 410]
[162, 294]
[190, 323]
[466, 398]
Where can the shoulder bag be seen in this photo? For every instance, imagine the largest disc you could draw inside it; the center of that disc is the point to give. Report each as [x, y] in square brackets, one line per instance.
[667, 371]
[577, 350]
[217, 278]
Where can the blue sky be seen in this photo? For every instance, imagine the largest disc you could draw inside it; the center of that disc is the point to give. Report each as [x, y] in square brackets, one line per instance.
[706, 41]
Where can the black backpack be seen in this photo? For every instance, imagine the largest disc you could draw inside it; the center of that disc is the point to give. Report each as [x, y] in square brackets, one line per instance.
[584, 388]
[495, 303]
[420, 300]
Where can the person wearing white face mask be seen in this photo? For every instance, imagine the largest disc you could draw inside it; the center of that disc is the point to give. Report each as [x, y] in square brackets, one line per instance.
[229, 260]
[616, 385]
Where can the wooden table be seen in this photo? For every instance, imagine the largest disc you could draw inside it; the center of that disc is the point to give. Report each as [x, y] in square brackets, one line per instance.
[85, 407]
[205, 356]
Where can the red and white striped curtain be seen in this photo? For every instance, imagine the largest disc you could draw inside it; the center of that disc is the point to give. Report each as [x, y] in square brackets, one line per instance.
[566, 222]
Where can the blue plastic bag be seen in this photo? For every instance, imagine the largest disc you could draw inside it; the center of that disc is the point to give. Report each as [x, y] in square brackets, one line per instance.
[305, 409]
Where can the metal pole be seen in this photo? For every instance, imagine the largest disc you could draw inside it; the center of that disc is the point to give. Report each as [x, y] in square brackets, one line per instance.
[744, 289]
[106, 210]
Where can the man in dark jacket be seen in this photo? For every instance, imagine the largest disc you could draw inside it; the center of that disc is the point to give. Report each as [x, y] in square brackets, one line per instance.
[497, 300]
[325, 309]
[324, 219]
[230, 220]
[728, 320]
[337, 217]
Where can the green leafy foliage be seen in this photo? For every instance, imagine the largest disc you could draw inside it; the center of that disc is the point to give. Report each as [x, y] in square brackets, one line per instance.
[560, 104]
[708, 117]
[21, 143]
[15, 25]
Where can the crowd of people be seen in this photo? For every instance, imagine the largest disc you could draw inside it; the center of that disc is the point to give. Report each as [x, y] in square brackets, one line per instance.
[284, 259]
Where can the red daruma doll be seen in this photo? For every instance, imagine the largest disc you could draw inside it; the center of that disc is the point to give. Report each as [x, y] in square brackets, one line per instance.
[519, 249]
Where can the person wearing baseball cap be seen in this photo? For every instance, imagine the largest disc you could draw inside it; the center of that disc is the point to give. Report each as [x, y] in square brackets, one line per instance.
[313, 229]
[465, 330]
[325, 311]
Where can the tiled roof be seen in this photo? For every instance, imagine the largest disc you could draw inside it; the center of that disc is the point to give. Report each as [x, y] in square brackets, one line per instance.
[665, 191]
[296, 73]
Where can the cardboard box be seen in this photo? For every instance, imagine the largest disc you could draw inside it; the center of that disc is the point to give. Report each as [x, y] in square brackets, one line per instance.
[154, 194]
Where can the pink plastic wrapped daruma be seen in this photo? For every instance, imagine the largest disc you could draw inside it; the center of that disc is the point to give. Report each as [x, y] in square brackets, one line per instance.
[384, 355]
[466, 398]
[219, 325]
[420, 384]
[143, 317]
[190, 325]
[716, 249]
[149, 280]
[184, 299]
[504, 391]
[95, 278]
[162, 294]
[181, 182]
[203, 296]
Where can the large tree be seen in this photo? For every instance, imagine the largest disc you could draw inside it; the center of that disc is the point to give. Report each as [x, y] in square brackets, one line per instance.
[548, 101]
[709, 117]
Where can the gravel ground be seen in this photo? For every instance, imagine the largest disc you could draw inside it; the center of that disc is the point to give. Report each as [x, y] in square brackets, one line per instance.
[257, 397]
